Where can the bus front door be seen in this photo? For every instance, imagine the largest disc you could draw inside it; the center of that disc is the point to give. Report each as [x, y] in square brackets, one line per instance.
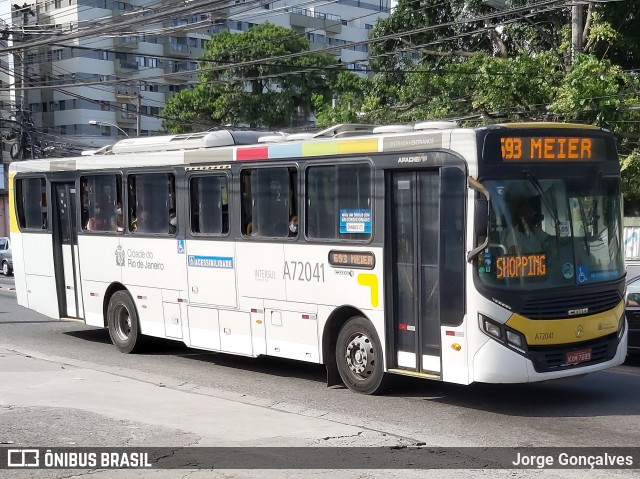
[65, 250]
[426, 211]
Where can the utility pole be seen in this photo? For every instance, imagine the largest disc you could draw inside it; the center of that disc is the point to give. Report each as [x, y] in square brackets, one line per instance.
[138, 113]
[576, 30]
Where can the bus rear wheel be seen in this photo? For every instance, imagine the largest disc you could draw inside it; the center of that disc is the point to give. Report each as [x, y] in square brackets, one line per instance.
[359, 357]
[122, 321]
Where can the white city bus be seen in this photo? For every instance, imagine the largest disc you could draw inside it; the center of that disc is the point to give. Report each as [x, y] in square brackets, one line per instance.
[491, 254]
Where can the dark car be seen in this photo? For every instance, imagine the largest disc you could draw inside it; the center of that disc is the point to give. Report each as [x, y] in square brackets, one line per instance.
[632, 302]
[6, 260]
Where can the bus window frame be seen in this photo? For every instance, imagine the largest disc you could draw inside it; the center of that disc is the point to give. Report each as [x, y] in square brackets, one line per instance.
[348, 161]
[231, 206]
[262, 165]
[47, 187]
[81, 229]
[144, 171]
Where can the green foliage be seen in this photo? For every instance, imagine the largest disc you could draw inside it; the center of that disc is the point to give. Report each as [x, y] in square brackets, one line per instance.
[601, 31]
[342, 102]
[263, 93]
[592, 91]
[189, 110]
[623, 18]
[494, 87]
[508, 68]
[631, 176]
[521, 70]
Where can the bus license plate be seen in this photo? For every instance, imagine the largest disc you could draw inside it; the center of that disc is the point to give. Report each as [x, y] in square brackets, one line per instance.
[581, 356]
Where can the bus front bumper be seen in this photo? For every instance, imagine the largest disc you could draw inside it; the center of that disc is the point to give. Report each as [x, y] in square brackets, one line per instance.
[495, 363]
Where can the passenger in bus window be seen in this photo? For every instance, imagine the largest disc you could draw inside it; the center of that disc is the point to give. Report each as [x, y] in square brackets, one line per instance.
[527, 235]
[117, 221]
[293, 226]
[173, 221]
[138, 223]
[142, 221]
[96, 222]
[101, 219]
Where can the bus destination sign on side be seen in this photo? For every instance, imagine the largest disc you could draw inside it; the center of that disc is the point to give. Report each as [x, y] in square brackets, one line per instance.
[551, 148]
[352, 259]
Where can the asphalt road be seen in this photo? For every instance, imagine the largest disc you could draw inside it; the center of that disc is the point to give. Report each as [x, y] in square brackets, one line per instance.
[601, 409]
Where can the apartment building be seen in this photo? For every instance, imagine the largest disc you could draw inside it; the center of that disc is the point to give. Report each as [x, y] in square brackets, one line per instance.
[124, 80]
[95, 114]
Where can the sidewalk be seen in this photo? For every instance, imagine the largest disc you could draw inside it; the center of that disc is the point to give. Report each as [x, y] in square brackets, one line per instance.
[49, 401]
[75, 403]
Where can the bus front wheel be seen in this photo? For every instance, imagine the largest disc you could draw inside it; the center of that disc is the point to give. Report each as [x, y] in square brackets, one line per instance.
[122, 322]
[359, 357]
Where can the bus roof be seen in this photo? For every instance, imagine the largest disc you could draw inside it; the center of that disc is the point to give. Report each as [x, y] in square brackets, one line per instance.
[228, 146]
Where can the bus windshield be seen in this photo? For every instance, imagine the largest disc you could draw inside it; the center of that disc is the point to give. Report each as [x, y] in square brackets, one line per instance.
[552, 232]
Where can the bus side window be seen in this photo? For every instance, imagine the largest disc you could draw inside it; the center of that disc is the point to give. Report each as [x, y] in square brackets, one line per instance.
[101, 196]
[209, 205]
[151, 201]
[268, 201]
[31, 203]
[339, 202]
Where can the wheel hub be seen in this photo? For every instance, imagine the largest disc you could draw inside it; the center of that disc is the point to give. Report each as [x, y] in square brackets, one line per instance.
[360, 355]
[123, 323]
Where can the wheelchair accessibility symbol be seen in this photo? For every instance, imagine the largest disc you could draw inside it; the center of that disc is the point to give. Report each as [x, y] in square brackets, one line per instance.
[180, 246]
[583, 274]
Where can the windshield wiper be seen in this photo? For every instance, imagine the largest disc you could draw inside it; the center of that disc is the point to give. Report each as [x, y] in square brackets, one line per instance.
[551, 206]
[589, 218]
[585, 223]
[596, 194]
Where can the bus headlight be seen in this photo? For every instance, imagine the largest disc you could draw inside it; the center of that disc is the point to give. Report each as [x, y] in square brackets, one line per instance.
[503, 334]
[491, 328]
[515, 339]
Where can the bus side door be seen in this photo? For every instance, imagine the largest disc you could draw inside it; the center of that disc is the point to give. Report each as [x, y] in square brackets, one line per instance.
[426, 236]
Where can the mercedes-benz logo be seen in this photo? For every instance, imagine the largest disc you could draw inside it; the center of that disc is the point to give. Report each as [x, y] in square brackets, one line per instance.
[579, 331]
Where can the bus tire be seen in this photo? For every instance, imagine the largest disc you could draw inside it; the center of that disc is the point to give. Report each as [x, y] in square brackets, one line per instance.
[359, 357]
[122, 322]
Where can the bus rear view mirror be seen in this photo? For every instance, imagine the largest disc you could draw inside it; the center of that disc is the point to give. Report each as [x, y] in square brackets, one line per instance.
[481, 217]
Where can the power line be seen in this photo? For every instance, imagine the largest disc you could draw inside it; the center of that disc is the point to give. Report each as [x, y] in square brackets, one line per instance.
[164, 14]
[546, 3]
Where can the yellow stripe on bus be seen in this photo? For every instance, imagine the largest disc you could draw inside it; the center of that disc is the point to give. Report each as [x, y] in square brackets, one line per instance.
[358, 146]
[572, 330]
[13, 221]
[579, 126]
[371, 280]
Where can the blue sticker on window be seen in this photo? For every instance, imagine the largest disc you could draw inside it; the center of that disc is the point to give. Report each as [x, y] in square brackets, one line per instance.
[587, 276]
[355, 221]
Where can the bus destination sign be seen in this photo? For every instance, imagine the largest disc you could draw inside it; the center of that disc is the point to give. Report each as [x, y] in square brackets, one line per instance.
[514, 266]
[551, 148]
[352, 259]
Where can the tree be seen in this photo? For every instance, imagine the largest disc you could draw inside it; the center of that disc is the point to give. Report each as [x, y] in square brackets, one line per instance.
[343, 101]
[239, 85]
[189, 110]
[466, 60]
[509, 64]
